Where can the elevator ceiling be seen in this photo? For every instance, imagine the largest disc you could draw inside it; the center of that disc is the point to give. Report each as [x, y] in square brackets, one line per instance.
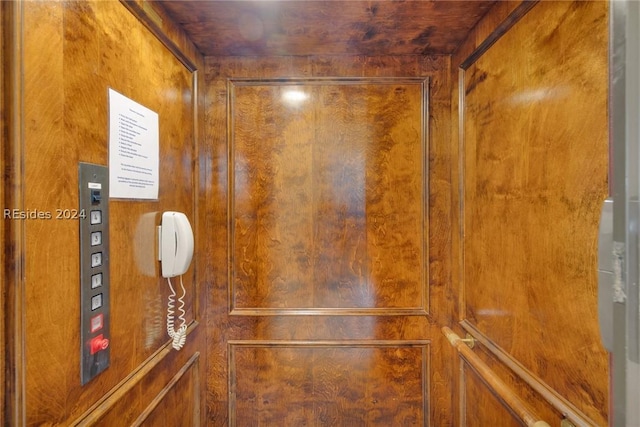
[274, 28]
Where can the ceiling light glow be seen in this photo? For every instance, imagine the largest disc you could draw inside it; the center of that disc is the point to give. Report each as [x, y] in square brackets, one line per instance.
[294, 96]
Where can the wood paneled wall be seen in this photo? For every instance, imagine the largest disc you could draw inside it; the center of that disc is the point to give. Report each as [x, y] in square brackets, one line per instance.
[532, 170]
[532, 157]
[297, 350]
[73, 52]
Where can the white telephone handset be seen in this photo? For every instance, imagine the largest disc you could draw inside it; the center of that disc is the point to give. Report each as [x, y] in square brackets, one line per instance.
[176, 244]
[176, 251]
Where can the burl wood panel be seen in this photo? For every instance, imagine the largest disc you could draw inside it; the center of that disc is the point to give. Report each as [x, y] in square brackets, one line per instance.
[327, 384]
[534, 174]
[329, 191]
[354, 327]
[91, 46]
[301, 28]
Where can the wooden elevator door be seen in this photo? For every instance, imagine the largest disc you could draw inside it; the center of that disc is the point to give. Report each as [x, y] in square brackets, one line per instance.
[324, 266]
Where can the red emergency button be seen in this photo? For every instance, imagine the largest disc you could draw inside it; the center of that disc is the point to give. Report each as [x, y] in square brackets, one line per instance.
[98, 343]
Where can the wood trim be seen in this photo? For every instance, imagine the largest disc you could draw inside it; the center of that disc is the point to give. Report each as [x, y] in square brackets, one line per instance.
[555, 399]
[426, 208]
[421, 310]
[13, 232]
[328, 343]
[495, 385]
[500, 30]
[102, 406]
[150, 20]
[198, 304]
[3, 143]
[418, 311]
[462, 395]
[233, 344]
[462, 302]
[285, 81]
[191, 363]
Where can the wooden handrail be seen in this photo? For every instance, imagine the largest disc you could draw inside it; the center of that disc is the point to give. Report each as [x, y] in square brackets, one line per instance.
[499, 388]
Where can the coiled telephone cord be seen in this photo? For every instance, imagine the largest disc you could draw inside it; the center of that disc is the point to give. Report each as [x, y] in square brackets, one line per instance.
[180, 336]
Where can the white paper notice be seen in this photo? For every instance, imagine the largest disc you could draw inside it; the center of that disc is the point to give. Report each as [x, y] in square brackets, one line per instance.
[134, 149]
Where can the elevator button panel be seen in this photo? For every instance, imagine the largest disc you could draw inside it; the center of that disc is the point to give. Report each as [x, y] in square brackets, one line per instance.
[94, 270]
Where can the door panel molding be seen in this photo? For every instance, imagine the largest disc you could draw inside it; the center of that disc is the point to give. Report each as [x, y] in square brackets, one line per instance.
[315, 375]
[312, 223]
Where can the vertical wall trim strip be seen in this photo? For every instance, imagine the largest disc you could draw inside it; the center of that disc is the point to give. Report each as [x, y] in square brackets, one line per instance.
[13, 268]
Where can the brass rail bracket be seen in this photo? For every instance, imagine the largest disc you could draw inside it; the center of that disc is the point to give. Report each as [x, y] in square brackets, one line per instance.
[469, 340]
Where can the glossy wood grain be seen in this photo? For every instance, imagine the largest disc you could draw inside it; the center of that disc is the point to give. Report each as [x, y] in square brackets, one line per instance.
[534, 165]
[155, 18]
[293, 161]
[286, 28]
[93, 46]
[317, 221]
[328, 383]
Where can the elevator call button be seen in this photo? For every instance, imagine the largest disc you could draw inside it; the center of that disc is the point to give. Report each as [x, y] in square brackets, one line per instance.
[96, 280]
[96, 302]
[95, 217]
[96, 322]
[96, 238]
[98, 343]
[96, 259]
